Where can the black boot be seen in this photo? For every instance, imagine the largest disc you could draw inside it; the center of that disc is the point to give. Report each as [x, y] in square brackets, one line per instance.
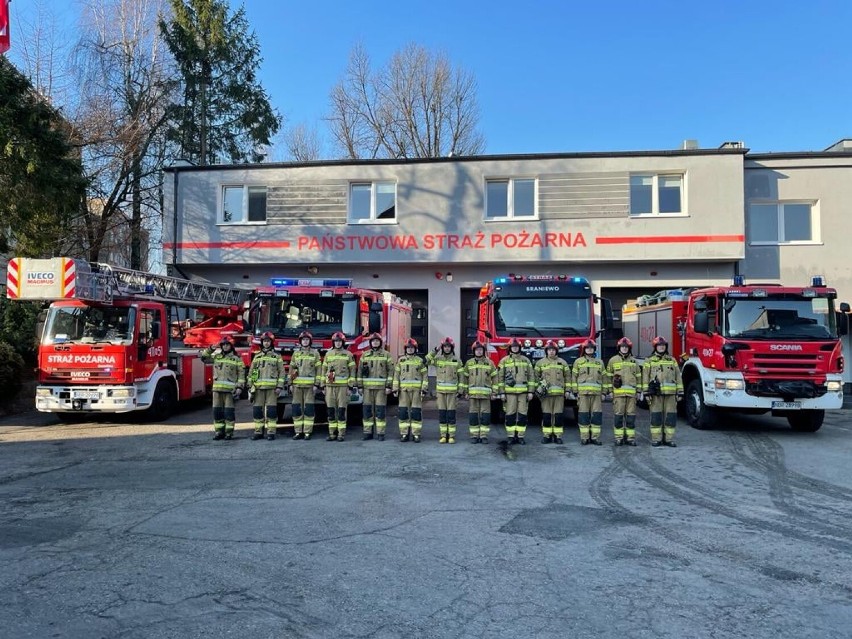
[596, 441]
[229, 435]
[483, 440]
[522, 441]
[404, 438]
[257, 435]
[367, 436]
[671, 444]
[656, 444]
[307, 436]
[270, 436]
[381, 437]
[331, 438]
[219, 435]
[545, 439]
[474, 440]
[299, 436]
[558, 440]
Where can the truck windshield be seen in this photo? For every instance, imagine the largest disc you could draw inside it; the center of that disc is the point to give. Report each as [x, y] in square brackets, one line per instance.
[89, 324]
[780, 317]
[542, 317]
[322, 316]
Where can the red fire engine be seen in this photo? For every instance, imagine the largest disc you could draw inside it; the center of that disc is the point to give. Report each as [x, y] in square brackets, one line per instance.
[536, 309]
[748, 348]
[323, 307]
[105, 346]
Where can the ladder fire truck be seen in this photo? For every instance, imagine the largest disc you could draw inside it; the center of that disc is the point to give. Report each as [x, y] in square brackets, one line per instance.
[748, 348]
[323, 307]
[105, 346]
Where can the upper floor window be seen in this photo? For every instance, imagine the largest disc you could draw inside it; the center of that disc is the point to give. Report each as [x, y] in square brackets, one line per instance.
[782, 223]
[372, 202]
[510, 198]
[656, 194]
[243, 204]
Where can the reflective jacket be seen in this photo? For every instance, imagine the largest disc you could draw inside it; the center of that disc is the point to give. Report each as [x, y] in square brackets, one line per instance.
[481, 377]
[266, 370]
[410, 372]
[449, 372]
[338, 368]
[665, 370]
[375, 370]
[229, 372]
[588, 376]
[515, 374]
[554, 374]
[305, 367]
[629, 370]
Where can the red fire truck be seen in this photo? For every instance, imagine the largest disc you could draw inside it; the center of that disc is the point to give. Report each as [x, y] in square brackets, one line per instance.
[323, 307]
[748, 348]
[105, 346]
[536, 309]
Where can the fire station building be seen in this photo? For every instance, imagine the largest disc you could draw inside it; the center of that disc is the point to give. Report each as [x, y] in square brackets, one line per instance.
[434, 230]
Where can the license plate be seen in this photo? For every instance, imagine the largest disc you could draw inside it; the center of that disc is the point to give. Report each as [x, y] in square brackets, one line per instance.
[786, 405]
[84, 394]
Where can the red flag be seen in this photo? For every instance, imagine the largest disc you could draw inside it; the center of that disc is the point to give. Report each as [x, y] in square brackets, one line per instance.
[4, 26]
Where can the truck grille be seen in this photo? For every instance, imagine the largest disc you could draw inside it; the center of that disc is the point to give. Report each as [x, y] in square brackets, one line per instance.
[74, 376]
[789, 389]
[787, 364]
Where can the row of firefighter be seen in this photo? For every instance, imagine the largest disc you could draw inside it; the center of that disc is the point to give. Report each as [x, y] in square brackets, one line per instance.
[515, 381]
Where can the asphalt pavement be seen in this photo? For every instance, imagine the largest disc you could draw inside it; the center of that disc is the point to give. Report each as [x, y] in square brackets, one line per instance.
[117, 529]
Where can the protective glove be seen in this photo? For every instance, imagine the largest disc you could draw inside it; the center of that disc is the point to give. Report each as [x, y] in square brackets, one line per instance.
[529, 396]
[679, 395]
[278, 391]
[607, 397]
[388, 391]
[460, 395]
[396, 393]
[237, 393]
[640, 396]
[317, 388]
[424, 393]
[567, 394]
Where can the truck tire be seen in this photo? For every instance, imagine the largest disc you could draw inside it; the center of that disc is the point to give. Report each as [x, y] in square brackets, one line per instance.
[698, 414]
[164, 402]
[806, 421]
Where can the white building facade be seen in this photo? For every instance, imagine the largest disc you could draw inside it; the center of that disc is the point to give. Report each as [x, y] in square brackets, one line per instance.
[435, 230]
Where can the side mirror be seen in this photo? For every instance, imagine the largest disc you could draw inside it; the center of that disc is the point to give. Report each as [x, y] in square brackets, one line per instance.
[702, 323]
[844, 307]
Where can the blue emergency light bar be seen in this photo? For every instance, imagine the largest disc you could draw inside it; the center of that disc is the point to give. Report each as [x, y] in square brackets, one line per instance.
[739, 280]
[318, 282]
[538, 278]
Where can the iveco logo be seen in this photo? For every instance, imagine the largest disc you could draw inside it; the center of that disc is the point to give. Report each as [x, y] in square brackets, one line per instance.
[785, 347]
[538, 289]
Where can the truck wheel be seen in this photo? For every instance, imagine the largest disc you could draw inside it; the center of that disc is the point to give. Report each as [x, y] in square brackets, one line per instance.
[806, 421]
[698, 414]
[165, 399]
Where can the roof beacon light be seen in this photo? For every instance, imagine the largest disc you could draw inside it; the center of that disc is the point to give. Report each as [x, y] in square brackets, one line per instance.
[317, 282]
[817, 280]
[739, 280]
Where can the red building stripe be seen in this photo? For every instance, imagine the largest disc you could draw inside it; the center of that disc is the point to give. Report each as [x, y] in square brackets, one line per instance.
[234, 245]
[669, 239]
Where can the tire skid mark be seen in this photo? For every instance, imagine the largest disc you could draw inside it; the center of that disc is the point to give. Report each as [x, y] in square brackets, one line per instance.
[665, 480]
[767, 457]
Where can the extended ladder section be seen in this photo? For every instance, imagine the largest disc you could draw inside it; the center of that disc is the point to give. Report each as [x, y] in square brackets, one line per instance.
[68, 278]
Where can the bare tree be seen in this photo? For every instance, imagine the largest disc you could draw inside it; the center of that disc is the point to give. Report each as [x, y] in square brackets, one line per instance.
[419, 105]
[124, 87]
[302, 143]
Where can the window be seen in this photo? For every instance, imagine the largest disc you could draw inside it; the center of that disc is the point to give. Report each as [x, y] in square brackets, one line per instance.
[782, 223]
[656, 194]
[509, 199]
[243, 204]
[372, 202]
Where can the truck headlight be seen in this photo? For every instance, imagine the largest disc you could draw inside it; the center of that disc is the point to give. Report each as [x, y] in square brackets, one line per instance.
[121, 392]
[43, 392]
[730, 384]
[833, 386]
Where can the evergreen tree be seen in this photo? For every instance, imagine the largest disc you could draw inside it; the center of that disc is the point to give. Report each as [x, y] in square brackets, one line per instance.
[222, 113]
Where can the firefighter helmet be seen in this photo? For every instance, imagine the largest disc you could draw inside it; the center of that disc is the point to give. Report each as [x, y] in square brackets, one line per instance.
[475, 345]
[226, 339]
[305, 334]
[411, 343]
[375, 336]
[338, 337]
[514, 342]
[448, 341]
[659, 340]
[590, 343]
[625, 341]
[551, 344]
[268, 335]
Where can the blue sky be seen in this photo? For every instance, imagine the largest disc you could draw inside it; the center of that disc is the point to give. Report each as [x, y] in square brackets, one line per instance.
[588, 76]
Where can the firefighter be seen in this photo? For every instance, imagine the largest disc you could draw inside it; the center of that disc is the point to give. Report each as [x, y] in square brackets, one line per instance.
[229, 379]
[338, 375]
[516, 384]
[481, 375]
[588, 382]
[410, 382]
[266, 380]
[662, 384]
[553, 384]
[304, 381]
[624, 376]
[375, 379]
[449, 385]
